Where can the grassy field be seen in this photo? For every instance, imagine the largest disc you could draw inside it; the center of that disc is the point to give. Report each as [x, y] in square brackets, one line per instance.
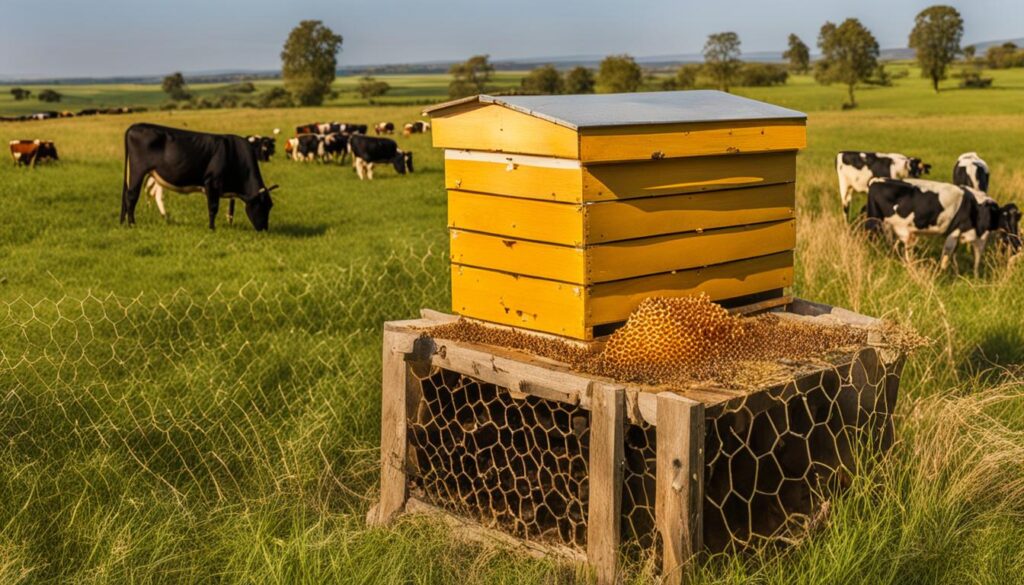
[181, 406]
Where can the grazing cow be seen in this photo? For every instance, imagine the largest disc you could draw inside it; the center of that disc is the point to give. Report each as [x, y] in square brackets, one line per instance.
[307, 147]
[307, 129]
[369, 150]
[384, 128]
[910, 207]
[29, 152]
[218, 165]
[856, 169]
[263, 145]
[89, 112]
[416, 128]
[335, 147]
[971, 171]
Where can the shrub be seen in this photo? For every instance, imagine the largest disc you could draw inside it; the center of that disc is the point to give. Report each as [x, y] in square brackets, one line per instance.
[762, 75]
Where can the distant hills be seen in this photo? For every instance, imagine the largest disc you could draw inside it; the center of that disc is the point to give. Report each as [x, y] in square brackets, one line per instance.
[562, 62]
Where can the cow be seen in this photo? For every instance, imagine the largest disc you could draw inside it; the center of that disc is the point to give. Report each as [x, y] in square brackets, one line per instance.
[313, 128]
[307, 147]
[384, 128]
[971, 171]
[909, 207]
[416, 128]
[29, 152]
[856, 169]
[218, 165]
[369, 150]
[263, 145]
[335, 147]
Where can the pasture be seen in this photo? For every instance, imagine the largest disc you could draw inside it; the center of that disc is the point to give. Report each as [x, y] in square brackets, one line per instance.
[187, 406]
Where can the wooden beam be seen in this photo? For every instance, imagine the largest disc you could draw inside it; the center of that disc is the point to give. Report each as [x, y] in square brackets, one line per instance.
[604, 520]
[680, 484]
[393, 431]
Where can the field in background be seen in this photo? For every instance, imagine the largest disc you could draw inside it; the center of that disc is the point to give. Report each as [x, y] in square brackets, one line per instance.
[185, 406]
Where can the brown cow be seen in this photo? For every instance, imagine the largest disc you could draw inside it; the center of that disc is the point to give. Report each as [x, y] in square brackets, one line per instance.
[29, 152]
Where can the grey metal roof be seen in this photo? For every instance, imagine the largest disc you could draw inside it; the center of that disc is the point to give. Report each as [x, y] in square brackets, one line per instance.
[629, 109]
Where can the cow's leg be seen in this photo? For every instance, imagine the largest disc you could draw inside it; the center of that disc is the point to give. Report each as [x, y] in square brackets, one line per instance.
[212, 201]
[158, 196]
[949, 248]
[978, 246]
[360, 166]
[369, 171]
[133, 183]
[231, 211]
[844, 195]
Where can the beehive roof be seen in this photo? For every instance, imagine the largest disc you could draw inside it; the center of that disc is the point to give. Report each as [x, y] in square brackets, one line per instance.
[633, 109]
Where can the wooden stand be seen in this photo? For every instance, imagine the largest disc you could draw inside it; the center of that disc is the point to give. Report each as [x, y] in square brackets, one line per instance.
[678, 418]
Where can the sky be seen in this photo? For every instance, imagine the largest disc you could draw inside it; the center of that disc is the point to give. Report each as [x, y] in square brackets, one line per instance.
[102, 38]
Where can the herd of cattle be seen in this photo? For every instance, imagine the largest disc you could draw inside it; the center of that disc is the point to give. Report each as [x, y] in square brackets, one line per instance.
[49, 115]
[901, 203]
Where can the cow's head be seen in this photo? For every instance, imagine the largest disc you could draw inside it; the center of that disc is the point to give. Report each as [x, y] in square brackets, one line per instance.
[403, 162]
[258, 208]
[918, 168]
[1009, 224]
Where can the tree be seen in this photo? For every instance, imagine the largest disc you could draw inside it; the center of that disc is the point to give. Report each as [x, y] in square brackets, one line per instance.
[722, 58]
[20, 93]
[309, 61]
[619, 74]
[50, 96]
[579, 80]
[369, 88]
[544, 80]
[936, 38]
[174, 86]
[849, 55]
[798, 55]
[275, 97]
[470, 77]
[969, 53]
[685, 78]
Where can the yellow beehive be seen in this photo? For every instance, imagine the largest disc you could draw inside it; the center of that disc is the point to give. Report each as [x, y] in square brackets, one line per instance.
[566, 211]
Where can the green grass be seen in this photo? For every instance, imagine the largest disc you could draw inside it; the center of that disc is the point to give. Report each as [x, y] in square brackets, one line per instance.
[181, 406]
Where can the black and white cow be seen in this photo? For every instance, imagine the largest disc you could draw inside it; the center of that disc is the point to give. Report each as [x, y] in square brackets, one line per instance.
[313, 128]
[218, 165]
[971, 171]
[306, 147]
[416, 128]
[369, 150]
[384, 128]
[263, 145]
[856, 169]
[909, 207]
[335, 147]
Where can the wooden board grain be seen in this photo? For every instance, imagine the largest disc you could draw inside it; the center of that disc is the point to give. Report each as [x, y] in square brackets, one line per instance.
[680, 480]
[567, 181]
[610, 221]
[604, 518]
[621, 260]
[622, 143]
[493, 128]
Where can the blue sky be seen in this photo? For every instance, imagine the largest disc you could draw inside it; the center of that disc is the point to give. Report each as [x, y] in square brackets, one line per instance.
[61, 38]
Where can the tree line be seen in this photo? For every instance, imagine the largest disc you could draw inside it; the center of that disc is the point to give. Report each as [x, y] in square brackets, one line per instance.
[849, 56]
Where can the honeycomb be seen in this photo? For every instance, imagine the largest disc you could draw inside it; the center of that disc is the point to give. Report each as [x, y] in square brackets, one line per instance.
[687, 340]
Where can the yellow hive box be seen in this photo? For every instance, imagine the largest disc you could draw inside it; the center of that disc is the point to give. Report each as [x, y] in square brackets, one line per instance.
[566, 211]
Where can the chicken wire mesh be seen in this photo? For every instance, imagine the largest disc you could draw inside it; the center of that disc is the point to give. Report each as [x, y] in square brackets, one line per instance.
[519, 464]
[773, 459]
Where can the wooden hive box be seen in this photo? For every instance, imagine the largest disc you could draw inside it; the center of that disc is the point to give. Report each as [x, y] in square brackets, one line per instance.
[566, 211]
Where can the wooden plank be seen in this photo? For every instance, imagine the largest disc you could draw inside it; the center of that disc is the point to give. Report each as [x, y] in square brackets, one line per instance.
[476, 533]
[613, 302]
[622, 143]
[611, 221]
[532, 303]
[551, 261]
[638, 218]
[604, 519]
[620, 260]
[686, 175]
[566, 181]
[761, 306]
[494, 128]
[515, 176]
[558, 223]
[679, 495]
[393, 433]
[635, 258]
